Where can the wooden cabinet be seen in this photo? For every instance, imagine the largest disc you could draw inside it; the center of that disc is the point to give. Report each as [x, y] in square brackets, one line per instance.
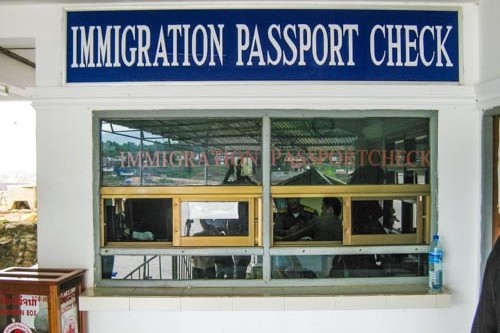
[41, 299]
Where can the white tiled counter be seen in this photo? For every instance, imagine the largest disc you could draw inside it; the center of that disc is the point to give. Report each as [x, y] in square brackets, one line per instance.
[259, 299]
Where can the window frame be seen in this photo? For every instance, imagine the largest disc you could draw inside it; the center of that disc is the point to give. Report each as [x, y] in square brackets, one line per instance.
[350, 193]
[250, 194]
[266, 249]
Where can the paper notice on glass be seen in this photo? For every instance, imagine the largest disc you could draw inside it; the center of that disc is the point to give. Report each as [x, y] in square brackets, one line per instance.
[211, 210]
[69, 311]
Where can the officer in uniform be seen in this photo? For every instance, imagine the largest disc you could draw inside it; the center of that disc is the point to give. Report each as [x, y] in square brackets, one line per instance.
[291, 224]
[292, 219]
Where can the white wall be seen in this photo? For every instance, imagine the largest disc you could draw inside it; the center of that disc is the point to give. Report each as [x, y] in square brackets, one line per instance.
[65, 178]
[488, 90]
[459, 215]
[387, 321]
[488, 37]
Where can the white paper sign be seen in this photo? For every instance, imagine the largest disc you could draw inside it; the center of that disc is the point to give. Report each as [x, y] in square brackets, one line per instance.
[210, 210]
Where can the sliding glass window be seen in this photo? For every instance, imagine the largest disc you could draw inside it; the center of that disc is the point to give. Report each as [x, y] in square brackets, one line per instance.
[259, 200]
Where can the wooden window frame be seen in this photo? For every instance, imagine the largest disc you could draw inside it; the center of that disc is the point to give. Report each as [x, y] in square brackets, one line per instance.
[253, 195]
[350, 193]
[250, 194]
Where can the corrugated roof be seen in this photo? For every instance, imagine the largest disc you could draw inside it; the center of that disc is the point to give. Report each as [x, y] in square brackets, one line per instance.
[245, 133]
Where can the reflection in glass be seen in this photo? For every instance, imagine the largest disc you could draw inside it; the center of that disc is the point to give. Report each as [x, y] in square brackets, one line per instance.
[113, 144]
[329, 151]
[180, 152]
[134, 219]
[214, 218]
[346, 266]
[184, 267]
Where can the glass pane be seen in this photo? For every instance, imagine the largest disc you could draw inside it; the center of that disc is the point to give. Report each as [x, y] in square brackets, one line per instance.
[133, 219]
[345, 266]
[397, 216]
[117, 142]
[185, 267]
[214, 218]
[336, 151]
[367, 217]
[23, 313]
[313, 219]
[180, 152]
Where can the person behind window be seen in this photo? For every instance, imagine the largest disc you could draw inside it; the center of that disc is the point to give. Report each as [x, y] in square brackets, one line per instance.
[204, 266]
[291, 220]
[487, 317]
[293, 223]
[240, 228]
[366, 214]
[329, 227]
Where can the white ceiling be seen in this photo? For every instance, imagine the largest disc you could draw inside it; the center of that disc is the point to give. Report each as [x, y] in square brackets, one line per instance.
[23, 47]
[18, 61]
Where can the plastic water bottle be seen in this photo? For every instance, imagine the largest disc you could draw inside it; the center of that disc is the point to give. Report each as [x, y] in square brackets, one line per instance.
[435, 265]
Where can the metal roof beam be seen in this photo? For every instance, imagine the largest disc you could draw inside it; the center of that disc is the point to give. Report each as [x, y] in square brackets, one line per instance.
[17, 57]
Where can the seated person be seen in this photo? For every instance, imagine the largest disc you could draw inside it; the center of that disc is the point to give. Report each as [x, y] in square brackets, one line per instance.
[366, 214]
[329, 227]
[326, 228]
[292, 219]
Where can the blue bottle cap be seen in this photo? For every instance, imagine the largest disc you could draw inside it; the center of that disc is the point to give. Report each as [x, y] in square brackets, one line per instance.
[435, 237]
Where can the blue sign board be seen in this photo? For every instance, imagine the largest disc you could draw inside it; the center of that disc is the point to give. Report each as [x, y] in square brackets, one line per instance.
[262, 44]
